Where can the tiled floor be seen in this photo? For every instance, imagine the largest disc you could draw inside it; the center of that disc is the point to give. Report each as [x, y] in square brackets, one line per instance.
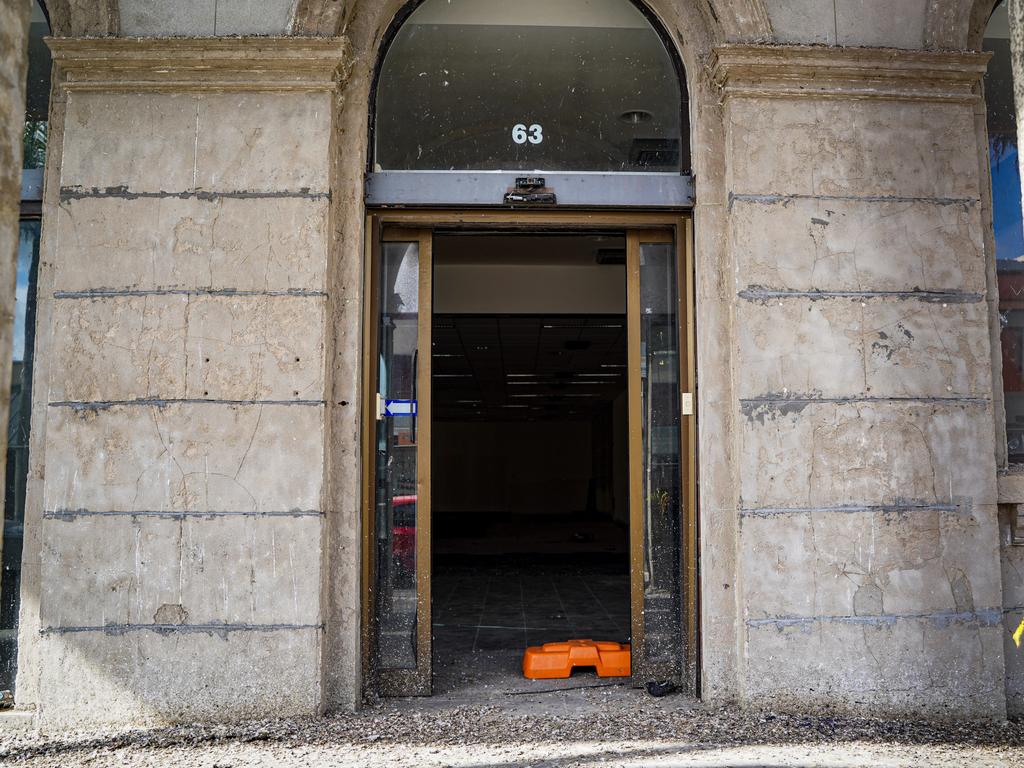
[486, 612]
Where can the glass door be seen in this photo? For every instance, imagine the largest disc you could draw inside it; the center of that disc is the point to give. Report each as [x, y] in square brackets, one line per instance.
[396, 442]
[660, 401]
[400, 550]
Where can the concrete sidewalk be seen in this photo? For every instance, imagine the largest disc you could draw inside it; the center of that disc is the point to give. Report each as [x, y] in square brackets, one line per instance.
[565, 729]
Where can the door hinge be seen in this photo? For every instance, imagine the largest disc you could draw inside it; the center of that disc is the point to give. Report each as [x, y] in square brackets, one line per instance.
[687, 403]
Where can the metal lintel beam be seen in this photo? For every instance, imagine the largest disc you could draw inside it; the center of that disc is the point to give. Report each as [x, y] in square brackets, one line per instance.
[479, 188]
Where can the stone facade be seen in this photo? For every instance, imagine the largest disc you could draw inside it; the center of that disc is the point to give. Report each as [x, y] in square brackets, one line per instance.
[195, 443]
[183, 409]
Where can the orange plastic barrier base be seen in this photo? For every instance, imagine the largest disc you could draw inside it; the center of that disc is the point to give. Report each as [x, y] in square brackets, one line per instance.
[556, 660]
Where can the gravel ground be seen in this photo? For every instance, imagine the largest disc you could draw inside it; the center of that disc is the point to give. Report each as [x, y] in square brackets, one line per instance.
[600, 728]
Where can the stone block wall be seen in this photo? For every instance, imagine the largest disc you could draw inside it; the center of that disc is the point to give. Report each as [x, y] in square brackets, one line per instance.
[182, 317]
[195, 280]
[868, 547]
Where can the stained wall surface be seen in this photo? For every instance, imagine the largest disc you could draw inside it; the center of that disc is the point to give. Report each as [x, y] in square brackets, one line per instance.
[204, 18]
[182, 436]
[869, 564]
[875, 23]
[203, 255]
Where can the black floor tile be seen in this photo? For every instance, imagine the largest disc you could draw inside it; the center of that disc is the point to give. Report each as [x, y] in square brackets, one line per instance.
[496, 639]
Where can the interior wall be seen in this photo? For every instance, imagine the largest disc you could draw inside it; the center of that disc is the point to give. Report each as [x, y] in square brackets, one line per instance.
[528, 289]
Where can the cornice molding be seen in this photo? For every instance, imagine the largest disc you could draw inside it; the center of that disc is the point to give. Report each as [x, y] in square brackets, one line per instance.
[206, 64]
[763, 71]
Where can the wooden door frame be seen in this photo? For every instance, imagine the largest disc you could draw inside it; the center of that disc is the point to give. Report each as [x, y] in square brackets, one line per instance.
[680, 224]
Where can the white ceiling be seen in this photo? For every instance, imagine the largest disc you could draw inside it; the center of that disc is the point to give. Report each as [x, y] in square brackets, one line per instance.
[999, 23]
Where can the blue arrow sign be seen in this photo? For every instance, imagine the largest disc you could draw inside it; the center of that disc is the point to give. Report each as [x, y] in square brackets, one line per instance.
[400, 407]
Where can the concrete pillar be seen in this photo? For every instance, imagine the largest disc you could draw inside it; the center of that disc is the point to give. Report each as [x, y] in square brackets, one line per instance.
[180, 428]
[869, 551]
[14, 20]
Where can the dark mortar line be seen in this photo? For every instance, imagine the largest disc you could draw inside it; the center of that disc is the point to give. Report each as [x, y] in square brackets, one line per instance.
[765, 512]
[750, 403]
[985, 617]
[70, 515]
[101, 405]
[122, 192]
[211, 629]
[772, 199]
[758, 293]
[102, 293]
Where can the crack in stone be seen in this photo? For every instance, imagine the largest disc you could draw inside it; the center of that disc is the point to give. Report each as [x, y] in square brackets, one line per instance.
[121, 192]
[70, 515]
[986, 617]
[102, 405]
[762, 294]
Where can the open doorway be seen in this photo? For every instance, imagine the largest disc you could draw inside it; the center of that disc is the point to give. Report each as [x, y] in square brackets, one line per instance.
[530, 455]
[530, 444]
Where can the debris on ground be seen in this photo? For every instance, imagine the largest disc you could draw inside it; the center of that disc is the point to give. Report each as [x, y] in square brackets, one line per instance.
[642, 732]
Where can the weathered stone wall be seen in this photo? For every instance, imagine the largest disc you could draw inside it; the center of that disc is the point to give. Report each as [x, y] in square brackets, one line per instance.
[869, 569]
[195, 440]
[933, 24]
[182, 305]
[205, 18]
[879, 23]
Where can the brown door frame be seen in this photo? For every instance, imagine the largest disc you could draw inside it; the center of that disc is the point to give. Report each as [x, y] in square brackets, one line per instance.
[415, 681]
[636, 224]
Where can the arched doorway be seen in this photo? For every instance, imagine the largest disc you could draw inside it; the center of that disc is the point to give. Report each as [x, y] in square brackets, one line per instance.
[531, 477]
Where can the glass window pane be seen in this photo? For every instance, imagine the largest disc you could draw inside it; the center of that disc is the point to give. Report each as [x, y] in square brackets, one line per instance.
[662, 485]
[396, 456]
[577, 85]
[17, 448]
[37, 92]
[1007, 224]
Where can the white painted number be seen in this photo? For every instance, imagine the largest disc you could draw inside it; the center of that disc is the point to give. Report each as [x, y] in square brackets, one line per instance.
[521, 134]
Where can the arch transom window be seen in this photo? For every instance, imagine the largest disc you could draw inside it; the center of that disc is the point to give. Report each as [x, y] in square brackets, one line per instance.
[532, 85]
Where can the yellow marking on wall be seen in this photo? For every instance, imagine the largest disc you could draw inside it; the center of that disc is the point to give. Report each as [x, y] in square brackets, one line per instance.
[1018, 633]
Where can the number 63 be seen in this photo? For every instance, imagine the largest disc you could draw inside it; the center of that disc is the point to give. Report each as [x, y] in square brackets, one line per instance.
[521, 134]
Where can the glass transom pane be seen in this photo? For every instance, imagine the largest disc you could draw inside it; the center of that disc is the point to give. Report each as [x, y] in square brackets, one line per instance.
[577, 85]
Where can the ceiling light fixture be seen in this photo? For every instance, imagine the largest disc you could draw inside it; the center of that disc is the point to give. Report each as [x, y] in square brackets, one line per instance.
[636, 116]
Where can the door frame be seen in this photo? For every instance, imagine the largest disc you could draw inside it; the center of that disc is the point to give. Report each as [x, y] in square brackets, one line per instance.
[416, 221]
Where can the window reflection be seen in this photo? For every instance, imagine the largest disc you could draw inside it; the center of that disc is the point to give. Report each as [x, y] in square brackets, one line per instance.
[1007, 224]
[17, 447]
[397, 456]
[37, 102]
[662, 481]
